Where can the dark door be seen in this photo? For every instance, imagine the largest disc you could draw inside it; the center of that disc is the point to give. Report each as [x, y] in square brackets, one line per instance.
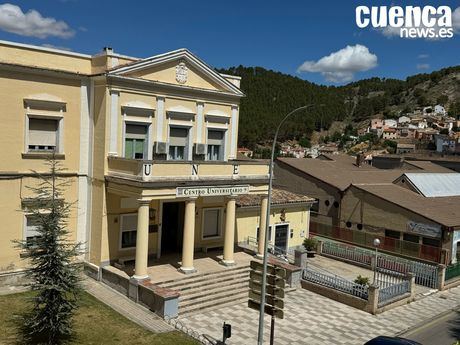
[172, 225]
[281, 233]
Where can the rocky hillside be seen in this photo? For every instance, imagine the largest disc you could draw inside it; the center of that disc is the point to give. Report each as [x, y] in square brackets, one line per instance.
[270, 95]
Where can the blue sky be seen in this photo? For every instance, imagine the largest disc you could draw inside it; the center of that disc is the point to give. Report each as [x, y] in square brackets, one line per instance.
[278, 35]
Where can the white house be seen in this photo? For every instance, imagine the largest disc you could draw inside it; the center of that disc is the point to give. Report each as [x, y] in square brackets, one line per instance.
[439, 109]
[404, 119]
[390, 123]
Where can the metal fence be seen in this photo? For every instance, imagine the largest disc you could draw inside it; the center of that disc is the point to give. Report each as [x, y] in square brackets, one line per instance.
[336, 282]
[355, 254]
[366, 239]
[452, 271]
[425, 274]
[385, 278]
[251, 243]
[393, 291]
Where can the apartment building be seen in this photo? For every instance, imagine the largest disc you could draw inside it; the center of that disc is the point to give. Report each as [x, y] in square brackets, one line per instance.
[150, 148]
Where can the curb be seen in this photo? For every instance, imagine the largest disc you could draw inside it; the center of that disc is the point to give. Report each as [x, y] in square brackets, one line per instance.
[423, 323]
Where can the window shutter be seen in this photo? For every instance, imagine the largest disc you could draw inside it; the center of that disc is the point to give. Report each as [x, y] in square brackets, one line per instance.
[31, 226]
[129, 222]
[136, 131]
[211, 223]
[178, 136]
[43, 132]
[215, 137]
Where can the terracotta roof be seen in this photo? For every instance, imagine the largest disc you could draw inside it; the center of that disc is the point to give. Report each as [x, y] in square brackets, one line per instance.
[342, 171]
[279, 197]
[442, 210]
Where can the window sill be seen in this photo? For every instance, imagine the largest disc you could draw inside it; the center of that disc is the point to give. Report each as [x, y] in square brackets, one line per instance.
[211, 238]
[42, 155]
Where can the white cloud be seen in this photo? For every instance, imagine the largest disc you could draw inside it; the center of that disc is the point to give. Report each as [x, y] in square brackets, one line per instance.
[423, 56]
[423, 66]
[32, 23]
[340, 66]
[456, 20]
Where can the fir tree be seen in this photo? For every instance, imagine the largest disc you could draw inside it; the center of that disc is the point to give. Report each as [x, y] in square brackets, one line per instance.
[53, 261]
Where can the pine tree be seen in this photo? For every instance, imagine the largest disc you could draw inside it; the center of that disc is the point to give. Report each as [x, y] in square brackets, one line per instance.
[52, 258]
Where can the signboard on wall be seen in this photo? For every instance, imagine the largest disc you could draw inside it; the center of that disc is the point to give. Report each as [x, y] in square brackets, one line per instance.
[424, 229]
[211, 190]
[455, 241]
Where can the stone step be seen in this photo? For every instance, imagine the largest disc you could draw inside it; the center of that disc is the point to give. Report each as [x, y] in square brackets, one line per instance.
[210, 283]
[174, 284]
[234, 297]
[205, 293]
[211, 296]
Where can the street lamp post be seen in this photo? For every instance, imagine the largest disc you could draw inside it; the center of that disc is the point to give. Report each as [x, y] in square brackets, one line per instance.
[260, 337]
[376, 244]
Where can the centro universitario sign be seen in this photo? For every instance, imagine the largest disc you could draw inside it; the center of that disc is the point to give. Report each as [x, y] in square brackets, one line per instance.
[211, 191]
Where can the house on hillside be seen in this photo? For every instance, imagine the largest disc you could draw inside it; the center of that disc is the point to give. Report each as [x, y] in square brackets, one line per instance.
[403, 120]
[389, 134]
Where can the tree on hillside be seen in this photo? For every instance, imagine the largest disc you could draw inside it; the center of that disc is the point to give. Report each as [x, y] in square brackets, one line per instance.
[442, 99]
[454, 110]
[52, 258]
[305, 142]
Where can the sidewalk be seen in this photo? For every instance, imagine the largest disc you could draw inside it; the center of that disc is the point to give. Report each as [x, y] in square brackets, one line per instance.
[123, 305]
[316, 320]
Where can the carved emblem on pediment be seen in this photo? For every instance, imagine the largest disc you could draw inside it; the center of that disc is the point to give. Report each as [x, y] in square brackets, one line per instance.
[181, 73]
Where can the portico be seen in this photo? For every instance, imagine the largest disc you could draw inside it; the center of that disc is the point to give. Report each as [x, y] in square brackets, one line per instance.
[151, 219]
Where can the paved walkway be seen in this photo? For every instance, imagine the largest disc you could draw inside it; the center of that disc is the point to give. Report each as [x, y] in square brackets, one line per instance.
[316, 320]
[129, 309]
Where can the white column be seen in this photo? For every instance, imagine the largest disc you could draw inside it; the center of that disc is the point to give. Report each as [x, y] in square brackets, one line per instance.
[229, 236]
[84, 164]
[113, 147]
[142, 240]
[188, 243]
[160, 115]
[234, 138]
[199, 122]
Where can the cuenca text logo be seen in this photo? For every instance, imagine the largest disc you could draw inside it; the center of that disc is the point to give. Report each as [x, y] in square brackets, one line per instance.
[411, 21]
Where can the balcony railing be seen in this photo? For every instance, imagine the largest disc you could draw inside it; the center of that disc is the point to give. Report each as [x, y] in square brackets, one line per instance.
[161, 170]
[365, 239]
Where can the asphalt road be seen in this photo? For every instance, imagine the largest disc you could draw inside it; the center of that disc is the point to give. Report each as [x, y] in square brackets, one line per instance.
[445, 330]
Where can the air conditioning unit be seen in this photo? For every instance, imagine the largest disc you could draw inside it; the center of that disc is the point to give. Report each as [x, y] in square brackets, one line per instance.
[200, 149]
[161, 147]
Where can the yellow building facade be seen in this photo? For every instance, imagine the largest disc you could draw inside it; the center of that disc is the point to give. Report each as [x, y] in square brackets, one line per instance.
[150, 149]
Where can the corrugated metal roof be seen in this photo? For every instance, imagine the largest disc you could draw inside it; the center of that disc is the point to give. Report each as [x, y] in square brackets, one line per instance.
[435, 184]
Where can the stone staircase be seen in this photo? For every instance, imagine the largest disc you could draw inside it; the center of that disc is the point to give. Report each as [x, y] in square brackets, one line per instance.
[209, 290]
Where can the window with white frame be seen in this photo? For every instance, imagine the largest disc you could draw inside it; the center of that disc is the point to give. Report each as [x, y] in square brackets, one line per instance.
[269, 233]
[31, 232]
[215, 145]
[43, 134]
[212, 222]
[136, 141]
[178, 143]
[128, 231]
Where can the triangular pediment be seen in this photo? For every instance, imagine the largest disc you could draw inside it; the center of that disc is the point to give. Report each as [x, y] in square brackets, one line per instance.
[179, 67]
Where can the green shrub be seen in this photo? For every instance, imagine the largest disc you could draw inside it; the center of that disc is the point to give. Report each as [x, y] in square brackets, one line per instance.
[360, 280]
[309, 244]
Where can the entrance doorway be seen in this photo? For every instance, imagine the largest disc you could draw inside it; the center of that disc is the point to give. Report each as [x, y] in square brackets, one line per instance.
[172, 227]
[281, 236]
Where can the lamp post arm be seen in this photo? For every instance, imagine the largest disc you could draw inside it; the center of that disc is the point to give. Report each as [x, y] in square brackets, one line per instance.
[260, 337]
